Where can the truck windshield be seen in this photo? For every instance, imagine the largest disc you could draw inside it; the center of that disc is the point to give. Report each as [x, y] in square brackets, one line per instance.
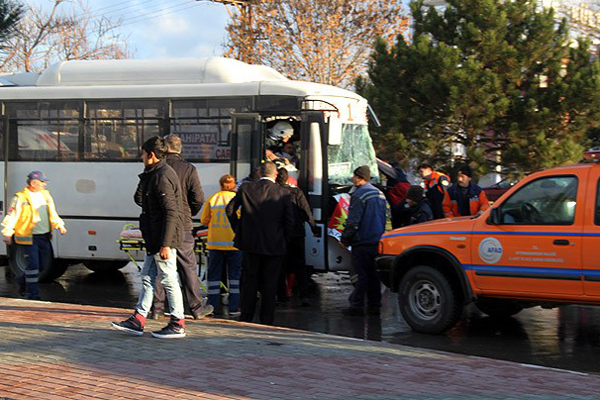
[355, 150]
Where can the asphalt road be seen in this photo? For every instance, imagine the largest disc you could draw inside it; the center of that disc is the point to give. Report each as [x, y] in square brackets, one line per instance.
[566, 337]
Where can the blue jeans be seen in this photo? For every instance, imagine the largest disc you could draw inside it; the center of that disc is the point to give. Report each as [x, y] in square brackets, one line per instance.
[217, 260]
[166, 271]
[36, 254]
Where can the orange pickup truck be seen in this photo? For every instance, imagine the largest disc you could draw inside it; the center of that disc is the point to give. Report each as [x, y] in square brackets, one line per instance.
[538, 245]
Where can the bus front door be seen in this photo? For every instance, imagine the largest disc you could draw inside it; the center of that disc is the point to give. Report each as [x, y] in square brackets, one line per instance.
[313, 180]
[246, 144]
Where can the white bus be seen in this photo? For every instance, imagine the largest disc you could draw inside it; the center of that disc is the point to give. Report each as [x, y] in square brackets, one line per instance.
[82, 123]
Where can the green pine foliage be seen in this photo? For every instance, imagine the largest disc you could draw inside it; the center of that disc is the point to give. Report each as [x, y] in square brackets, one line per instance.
[502, 78]
[11, 13]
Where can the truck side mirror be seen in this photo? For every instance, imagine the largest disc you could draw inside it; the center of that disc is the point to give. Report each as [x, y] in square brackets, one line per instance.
[494, 218]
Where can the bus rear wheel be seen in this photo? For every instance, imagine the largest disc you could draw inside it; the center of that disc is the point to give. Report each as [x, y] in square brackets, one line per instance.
[50, 269]
[104, 266]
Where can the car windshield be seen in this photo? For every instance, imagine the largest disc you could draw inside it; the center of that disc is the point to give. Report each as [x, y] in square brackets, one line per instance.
[356, 149]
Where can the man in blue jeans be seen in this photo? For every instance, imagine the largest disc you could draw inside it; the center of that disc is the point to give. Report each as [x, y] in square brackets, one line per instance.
[160, 196]
[363, 230]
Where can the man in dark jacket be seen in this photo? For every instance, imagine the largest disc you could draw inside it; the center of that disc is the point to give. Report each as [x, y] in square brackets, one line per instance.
[193, 198]
[295, 258]
[436, 184]
[418, 208]
[364, 227]
[465, 198]
[159, 195]
[261, 233]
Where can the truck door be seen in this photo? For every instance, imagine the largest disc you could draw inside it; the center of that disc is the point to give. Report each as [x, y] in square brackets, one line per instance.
[591, 236]
[312, 179]
[246, 144]
[531, 244]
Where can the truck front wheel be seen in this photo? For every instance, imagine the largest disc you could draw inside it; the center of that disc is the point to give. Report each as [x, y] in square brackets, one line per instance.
[428, 300]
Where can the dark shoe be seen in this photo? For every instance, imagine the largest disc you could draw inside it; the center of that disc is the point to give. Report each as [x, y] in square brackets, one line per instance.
[234, 314]
[22, 291]
[354, 312]
[374, 310]
[206, 311]
[131, 325]
[173, 330]
[33, 298]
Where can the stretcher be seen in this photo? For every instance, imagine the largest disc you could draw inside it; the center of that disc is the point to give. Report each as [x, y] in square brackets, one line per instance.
[131, 240]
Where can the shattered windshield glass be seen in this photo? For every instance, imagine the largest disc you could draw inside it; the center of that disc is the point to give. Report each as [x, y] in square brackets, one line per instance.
[355, 150]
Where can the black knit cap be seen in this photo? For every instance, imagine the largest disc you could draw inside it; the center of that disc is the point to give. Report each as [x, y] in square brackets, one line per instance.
[415, 193]
[465, 170]
[363, 172]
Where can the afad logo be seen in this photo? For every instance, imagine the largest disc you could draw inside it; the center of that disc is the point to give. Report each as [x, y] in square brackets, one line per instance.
[490, 250]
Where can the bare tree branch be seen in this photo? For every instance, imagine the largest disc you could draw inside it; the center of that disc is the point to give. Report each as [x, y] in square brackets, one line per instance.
[45, 37]
[326, 41]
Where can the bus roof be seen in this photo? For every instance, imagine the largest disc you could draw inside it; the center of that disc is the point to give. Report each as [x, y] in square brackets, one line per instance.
[177, 78]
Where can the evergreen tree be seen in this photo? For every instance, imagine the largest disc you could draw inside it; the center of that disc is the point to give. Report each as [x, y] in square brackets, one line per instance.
[10, 14]
[501, 78]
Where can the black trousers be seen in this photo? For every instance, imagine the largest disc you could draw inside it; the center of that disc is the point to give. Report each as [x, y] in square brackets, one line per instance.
[295, 262]
[260, 273]
[186, 267]
[368, 284]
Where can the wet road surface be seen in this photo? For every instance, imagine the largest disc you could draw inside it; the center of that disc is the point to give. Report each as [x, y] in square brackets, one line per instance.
[565, 337]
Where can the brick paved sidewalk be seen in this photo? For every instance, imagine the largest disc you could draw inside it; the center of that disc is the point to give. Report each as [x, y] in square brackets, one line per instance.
[56, 351]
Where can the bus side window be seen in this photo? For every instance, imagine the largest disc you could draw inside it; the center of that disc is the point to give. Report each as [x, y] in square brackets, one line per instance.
[44, 131]
[116, 130]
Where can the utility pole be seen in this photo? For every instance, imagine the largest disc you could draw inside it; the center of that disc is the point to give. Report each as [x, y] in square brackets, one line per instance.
[244, 7]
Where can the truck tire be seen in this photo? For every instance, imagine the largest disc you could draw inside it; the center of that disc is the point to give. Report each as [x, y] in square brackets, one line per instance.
[499, 308]
[428, 300]
[104, 266]
[50, 269]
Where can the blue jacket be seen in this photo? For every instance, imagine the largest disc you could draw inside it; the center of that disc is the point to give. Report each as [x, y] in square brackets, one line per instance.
[366, 217]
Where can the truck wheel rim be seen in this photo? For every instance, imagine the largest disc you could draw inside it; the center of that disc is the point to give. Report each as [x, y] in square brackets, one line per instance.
[425, 300]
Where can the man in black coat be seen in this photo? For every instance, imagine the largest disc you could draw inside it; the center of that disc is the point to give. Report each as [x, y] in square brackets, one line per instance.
[159, 195]
[295, 261]
[193, 198]
[261, 233]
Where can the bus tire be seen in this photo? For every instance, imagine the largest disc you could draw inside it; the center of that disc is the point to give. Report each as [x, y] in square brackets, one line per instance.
[104, 266]
[428, 300]
[50, 269]
[499, 308]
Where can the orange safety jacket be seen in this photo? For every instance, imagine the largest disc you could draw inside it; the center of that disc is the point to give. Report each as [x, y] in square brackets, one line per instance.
[478, 201]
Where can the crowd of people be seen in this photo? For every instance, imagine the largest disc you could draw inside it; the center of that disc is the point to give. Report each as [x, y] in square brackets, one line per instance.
[256, 232]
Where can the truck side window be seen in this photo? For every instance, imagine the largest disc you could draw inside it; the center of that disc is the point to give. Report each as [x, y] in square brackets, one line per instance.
[546, 201]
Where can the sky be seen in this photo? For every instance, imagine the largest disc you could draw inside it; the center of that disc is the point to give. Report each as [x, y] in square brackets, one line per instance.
[159, 29]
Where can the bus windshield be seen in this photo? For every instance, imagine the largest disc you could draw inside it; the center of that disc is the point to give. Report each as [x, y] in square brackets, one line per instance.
[355, 150]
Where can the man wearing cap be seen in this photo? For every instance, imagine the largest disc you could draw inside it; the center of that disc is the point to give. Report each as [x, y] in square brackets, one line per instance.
[364, 227]
[418, 209]
[436, 184]
[465, 198]
[30, 221]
